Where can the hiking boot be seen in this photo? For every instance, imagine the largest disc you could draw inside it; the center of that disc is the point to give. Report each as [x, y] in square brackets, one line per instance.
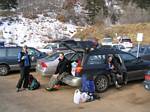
[56, 86]
[96, 96]
[117, 85]
[17, 89]
[50, 89]
[125, 82]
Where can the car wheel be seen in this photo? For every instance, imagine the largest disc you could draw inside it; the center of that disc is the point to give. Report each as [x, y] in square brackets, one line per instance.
[4, 70]
[101, 83]
[146, 87]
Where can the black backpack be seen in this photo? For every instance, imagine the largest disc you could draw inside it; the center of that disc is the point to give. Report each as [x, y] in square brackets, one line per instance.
[33, 83]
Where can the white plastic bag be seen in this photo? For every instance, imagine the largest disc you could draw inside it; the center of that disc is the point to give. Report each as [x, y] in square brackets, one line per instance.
[77, 96]
[84, 97]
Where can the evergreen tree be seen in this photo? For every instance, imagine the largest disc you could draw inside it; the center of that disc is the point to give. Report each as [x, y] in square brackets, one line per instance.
[8, 4]
[143, 4]
[94, 7]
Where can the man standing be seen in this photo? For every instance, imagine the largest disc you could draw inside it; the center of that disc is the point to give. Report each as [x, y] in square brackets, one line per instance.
[25, 64]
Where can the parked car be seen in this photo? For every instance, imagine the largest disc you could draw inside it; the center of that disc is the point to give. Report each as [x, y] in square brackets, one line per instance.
[126, 42]
[107, 41]
[120, 47]
[147, 80]
[57, 45]
[94, 63]
[47, 66]
[8, 58]
[144, 51]
[87, 44]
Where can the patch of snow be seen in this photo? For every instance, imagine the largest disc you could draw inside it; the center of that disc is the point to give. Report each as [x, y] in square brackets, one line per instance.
[35, 32]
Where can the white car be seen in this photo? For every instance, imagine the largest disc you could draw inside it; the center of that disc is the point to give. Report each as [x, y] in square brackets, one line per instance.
[49, 48]
[126, 42]
[120, 47]
[107, 41]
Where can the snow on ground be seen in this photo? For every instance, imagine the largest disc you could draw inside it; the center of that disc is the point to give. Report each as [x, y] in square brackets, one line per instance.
[34, 32]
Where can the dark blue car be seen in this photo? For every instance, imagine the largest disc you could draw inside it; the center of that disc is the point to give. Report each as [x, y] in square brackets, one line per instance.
[8, 58]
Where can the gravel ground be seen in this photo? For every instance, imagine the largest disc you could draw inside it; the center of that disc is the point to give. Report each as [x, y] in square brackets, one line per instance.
[131, 98]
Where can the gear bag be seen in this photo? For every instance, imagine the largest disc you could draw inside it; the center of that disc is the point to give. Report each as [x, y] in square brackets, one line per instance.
[33, 83]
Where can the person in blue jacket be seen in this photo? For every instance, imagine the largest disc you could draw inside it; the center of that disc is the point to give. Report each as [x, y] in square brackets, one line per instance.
[25, 64]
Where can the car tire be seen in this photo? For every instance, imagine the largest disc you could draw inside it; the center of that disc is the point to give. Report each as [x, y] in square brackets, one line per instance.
[4, 69]
[146, 87]
[101, 83]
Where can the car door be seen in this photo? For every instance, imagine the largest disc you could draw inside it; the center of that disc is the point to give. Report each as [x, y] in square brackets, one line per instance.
[135, 67]
[146, 55]
[12, 57]
[95, 64]
[3, 55]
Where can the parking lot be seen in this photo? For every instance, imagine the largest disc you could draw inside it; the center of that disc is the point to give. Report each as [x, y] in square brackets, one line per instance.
[132, 98]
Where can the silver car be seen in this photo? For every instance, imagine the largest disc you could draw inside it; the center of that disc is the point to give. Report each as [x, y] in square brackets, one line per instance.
[47, 66]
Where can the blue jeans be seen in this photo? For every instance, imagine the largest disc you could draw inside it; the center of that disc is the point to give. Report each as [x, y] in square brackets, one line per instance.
[87, 85]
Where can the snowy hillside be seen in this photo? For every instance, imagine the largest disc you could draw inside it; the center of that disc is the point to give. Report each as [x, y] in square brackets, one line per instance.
[35, 32]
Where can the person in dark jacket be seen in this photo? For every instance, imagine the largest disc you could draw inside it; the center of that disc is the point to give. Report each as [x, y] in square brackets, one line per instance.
[63, 65]
[63, 69]
[25, 64]
[120, 69]
[114, 70]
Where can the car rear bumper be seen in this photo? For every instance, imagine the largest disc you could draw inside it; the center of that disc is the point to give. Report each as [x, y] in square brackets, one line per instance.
[72, 81]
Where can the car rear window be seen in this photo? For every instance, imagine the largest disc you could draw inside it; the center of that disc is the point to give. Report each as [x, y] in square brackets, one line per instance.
[126, 40]
[77, 56]
[69, 55]
[107, 40]
[96, 59]
[2, 52]
[52, 57]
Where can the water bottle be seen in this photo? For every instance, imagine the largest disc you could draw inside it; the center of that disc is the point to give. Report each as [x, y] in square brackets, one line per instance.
[73, 65]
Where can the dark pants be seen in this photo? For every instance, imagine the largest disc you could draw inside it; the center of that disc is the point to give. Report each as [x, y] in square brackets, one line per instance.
[114, 76]
[123, 77]
[24, 76]
[87, 84]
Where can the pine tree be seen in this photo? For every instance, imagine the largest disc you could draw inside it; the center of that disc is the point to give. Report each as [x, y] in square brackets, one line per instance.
[94, 7]
[143, 4]
[8, 4]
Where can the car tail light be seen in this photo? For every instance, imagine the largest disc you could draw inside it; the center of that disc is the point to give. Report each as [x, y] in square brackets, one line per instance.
[78, 69]
[147, 77]
[43, 65]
